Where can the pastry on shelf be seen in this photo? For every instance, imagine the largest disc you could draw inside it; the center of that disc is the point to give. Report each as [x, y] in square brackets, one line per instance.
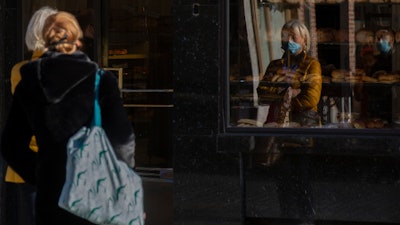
[369, 123]
[338, 75]
[118, 51]
[355, 76]
[334, 1]
[375, 123]
[397, 35]
[351, 78]
[247, 123]
[388, 78]
[326, 79]
[365, 36]
[292, 1]
[325, 35]
[369, 79]
[359, 124]
[342, 35]
[376, 74]
[379, 1]
[359, 72]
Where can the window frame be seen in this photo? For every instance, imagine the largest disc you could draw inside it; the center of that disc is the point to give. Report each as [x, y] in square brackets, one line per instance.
[225, 103]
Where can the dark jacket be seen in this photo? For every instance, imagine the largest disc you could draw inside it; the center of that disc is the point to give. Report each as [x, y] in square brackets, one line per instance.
[54, 100]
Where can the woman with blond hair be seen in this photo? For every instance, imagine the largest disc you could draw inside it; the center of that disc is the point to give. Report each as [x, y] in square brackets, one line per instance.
[53, 100]
[20, 207]
[297, 99]
[301, 71]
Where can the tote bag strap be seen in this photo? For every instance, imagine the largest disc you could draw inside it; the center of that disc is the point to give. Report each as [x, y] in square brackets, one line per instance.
[97, 110]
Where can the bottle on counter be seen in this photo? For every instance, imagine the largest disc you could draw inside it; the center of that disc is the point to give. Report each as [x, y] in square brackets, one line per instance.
[325, 119]
[333, 111]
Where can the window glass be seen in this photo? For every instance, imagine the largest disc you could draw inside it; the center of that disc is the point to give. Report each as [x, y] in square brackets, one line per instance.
[138, 42]
[313, 64]
[134, 40]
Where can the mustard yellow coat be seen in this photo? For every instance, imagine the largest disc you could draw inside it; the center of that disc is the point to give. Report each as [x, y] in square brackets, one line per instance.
[11, 175]
[309, 71]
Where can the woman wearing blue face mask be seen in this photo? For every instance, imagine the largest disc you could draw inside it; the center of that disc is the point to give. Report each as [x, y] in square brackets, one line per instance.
[384, 40]
[376, 102]
[384, 46]
[303, 74]
[292, 102]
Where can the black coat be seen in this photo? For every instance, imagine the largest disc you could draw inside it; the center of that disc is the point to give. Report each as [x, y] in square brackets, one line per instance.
[53, 100]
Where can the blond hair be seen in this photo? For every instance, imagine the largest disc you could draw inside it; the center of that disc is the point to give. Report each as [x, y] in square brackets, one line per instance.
[301, 29]
[34, 36]
[61, 32]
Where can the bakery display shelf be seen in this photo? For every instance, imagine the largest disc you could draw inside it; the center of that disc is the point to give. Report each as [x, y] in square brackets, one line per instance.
[334, 44]
[147, 90]
[332, 83]
[128, 56]
[365, 84]
[356, 2]
[339, 89]
[149, 105]
[375, 3]
[242, 98]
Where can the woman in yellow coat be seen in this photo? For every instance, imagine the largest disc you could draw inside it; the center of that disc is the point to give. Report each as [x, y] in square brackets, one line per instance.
[300, 71]
[34, 42]
[291, 85]
[23, 212]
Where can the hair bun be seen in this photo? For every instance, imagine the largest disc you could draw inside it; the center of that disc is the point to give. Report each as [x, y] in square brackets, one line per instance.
[61, 32]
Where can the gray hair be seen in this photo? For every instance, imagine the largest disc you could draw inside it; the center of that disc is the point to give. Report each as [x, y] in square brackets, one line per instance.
[301, 29]
[34, 36]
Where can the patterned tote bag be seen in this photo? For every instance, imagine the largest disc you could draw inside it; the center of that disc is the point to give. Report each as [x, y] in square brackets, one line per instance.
[99, 187]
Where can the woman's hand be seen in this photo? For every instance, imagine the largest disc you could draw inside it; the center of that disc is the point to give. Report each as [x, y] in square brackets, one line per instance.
[292, 78]
[295, 91]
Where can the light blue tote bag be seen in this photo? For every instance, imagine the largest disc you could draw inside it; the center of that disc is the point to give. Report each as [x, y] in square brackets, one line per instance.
[99, 187]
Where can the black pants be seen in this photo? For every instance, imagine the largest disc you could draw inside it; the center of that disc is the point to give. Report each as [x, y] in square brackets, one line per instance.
[19, 204]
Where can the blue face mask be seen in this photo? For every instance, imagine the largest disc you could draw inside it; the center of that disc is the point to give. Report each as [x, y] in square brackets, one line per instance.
[291, 46]
[384, 46]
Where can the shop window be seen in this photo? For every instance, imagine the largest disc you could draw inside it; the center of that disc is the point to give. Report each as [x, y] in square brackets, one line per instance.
[133, 39]
[354, 87]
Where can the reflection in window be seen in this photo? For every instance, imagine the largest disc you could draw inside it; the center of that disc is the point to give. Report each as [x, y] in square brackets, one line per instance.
[344, 75]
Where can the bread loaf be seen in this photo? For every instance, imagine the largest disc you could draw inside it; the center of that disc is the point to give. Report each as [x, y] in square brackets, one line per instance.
[339, 75]
[365, 36]
[359, 124]
[389, 78]
[369, 79]
[375, 123]
[325, 35]
[397, 36]
[342, 35]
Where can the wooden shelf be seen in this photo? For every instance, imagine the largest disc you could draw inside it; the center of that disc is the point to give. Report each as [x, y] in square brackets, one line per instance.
[128, 56]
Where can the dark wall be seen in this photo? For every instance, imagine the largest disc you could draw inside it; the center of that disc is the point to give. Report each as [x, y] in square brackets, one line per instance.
[10, 48]
[9, 45]
[206, 182]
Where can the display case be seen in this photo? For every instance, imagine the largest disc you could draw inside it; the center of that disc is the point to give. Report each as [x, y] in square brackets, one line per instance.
[359, 84]
[333, 172]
